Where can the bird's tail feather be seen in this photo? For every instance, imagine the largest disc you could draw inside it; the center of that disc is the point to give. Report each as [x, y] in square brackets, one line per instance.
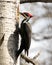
[19, 52]
[17, 55]
[26, 52]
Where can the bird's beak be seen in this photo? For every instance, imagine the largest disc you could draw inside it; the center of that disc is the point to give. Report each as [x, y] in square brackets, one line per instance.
[23, 15]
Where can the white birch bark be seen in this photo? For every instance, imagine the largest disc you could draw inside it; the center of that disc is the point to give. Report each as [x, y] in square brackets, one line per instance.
[7, 27]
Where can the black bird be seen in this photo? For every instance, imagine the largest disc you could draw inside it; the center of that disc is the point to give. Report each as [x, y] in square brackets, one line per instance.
[25, 32]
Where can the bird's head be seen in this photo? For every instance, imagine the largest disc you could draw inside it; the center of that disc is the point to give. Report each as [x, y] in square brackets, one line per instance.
[26, 15]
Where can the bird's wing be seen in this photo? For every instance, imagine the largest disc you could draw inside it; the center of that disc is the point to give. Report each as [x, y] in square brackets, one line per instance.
[28, 30]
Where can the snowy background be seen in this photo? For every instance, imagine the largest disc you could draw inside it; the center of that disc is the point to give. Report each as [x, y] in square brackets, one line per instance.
[41, 27]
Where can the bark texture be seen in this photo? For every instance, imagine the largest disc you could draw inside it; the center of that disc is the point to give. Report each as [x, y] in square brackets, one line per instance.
[7, 27]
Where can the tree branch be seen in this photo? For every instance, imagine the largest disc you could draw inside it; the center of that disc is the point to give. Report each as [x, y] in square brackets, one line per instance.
[30, 1]
[27, 59]
[30, 60]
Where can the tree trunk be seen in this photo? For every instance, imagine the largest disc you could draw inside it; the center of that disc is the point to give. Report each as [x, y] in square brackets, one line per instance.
[7, 27]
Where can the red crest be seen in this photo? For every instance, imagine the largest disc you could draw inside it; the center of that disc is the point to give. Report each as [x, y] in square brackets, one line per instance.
[27, 14]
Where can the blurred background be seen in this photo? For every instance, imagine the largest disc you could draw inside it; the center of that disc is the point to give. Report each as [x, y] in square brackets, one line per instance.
[41, 41]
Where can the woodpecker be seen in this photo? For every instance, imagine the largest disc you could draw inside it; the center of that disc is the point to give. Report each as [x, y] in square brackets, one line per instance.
[25, 32]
